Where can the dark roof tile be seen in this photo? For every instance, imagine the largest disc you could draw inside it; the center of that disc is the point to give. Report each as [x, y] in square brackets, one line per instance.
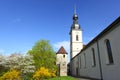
[62, 51]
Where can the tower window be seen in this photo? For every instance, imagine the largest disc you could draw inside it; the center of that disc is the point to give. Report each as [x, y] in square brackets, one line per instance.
[63, 56]
[93, 58]
[77, 38]
[109, 51]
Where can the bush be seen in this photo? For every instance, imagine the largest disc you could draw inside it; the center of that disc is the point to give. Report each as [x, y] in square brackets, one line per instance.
[43, 73]
[53, 73]
[11, 75]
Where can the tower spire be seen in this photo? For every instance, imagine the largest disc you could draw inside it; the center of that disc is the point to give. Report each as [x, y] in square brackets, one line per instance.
[75, 17]
[76, 44]
[75, 9]
[75, 24]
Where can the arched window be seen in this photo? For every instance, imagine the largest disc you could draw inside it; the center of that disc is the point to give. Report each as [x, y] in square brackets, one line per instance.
[93, 57]
[77, 38]
[109, 51]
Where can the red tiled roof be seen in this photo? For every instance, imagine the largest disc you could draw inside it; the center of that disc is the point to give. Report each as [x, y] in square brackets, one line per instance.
[62, 51]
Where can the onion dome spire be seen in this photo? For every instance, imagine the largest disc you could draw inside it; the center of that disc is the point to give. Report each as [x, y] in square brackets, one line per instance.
[75, 16]
[75, 24]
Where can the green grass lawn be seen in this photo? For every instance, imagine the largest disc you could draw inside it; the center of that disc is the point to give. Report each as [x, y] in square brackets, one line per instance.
[62, 78]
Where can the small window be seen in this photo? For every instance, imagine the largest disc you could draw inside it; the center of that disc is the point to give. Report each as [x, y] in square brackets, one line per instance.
[77, 39]
[76, 62]
[80, 62]
[63, 56]
[93, 58]
[84, 60]
[63, 64]
[109, 52]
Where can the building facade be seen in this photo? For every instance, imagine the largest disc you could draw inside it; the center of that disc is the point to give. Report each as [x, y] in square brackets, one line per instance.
[99, 59]
[61, 61]
[76, 43]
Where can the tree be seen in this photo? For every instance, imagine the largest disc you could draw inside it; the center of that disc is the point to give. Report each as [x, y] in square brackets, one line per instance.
[3, 69]
[25, 64]
[43, 55]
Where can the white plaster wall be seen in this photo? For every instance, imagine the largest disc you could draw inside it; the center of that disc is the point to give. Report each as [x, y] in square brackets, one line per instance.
[112, 71]
[76, 46]
[76, 32]
[87, 69]
[74, 65]
[60, 58]
[109, 72]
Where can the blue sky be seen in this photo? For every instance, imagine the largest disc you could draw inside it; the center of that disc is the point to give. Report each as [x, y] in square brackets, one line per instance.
[23, 22]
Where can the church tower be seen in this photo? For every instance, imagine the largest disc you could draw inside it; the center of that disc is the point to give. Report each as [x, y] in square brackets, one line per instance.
[76, 43]
[61, 61]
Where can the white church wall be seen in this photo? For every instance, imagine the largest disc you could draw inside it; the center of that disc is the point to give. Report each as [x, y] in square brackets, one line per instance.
[76, 42]
[83, 62]
[74, 33]
[73, 65]
[104, 67]
[76, 66]
[77, 47]
[86, 66]
[87, 69]
[110, 71]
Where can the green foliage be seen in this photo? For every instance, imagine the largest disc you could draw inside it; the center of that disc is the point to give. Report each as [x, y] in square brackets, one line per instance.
[40, 58]
[27, 76]
[24, 64]
[43, 55]
[62, 78]
[3, 70]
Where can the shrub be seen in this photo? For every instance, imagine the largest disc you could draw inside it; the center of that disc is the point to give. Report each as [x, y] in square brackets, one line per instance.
[11, 75]
[53, 73]
[43, 73]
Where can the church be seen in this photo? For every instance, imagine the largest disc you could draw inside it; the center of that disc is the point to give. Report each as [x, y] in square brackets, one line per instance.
[99, 59]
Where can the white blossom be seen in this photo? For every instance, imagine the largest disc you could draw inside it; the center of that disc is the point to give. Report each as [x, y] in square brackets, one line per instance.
[17, 61]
